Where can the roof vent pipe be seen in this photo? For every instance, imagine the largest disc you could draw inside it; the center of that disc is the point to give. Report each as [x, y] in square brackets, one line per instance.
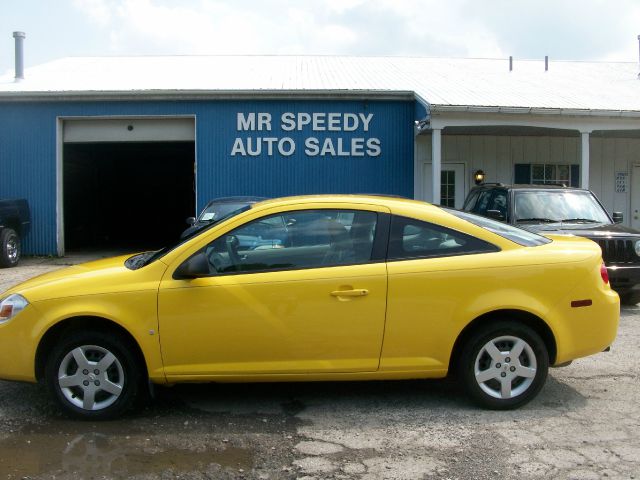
[546, 63]
[19, 36]
[510, 63]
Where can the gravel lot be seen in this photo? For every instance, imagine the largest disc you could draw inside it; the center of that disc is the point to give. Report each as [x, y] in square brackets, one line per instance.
[585, 424]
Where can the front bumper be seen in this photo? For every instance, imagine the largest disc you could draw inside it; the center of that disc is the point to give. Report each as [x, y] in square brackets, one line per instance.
[17, 346]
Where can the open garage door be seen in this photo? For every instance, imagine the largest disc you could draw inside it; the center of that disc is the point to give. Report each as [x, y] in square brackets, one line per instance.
[121, 196]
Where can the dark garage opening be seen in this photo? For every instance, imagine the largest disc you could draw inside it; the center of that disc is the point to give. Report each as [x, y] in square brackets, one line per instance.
[127, 196]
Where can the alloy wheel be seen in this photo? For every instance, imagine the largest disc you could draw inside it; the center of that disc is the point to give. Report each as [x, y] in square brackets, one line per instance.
[91, 377]
[505, 367]
[13, 249]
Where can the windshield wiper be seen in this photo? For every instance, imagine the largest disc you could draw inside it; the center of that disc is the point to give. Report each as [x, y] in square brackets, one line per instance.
[138, 261]
[534, 219]
[579, 220]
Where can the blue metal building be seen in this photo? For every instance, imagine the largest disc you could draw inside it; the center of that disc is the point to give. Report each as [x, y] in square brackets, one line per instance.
[258, 147]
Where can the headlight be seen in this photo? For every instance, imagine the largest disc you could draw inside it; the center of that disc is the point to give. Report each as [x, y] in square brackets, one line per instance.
[11, 306]
[637, 247]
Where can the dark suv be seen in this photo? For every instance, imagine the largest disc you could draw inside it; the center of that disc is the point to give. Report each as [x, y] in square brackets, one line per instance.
[562, 210]
[216, 210]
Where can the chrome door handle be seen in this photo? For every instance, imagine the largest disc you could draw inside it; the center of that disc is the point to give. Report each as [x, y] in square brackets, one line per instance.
[356, 292]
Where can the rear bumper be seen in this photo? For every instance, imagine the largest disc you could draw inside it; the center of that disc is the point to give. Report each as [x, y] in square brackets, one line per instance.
[588, 330]
[624, 279]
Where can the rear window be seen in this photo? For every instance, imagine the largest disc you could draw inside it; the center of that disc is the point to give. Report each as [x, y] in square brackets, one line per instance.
[515, 234]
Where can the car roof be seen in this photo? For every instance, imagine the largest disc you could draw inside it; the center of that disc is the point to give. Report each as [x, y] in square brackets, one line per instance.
[375, 199]
[523, 186]
[245, 199]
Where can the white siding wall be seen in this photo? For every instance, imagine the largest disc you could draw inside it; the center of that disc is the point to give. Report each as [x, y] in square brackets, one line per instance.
[608, 157]
[496, 155]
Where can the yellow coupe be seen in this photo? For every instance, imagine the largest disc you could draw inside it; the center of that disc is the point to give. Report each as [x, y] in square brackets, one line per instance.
[340, 287]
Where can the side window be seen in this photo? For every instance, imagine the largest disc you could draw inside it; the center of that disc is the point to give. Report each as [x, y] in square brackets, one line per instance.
[499, 203]
[482, 205]
[292, 240]
[470, 203]
[412, 238]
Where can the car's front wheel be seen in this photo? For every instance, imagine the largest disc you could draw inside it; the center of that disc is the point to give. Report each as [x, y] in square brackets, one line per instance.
[9, 248]
[504, 365]
[93, 375]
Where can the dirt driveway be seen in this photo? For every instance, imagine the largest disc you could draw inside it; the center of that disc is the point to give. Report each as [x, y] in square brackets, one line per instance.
[585, 424]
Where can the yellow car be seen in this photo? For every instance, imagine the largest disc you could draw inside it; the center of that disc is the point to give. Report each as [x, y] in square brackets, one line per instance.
[340, 287]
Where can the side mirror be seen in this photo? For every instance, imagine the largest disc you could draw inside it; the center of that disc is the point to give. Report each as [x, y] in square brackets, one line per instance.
[191, 220]
[495, 214]
[617, 217]
[196, 266]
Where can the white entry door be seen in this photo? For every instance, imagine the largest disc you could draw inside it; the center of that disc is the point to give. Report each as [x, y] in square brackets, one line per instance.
[635, 197]
[452, 184]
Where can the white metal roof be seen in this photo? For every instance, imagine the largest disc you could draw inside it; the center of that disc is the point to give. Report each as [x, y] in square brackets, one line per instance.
[442, 82]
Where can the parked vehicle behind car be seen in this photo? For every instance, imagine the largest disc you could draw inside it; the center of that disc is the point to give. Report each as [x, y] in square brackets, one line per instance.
[341, 287]
[552, 209]
[216, 210]
[15, 223]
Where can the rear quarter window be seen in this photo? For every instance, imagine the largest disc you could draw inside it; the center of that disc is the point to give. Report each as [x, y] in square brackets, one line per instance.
[411, 238]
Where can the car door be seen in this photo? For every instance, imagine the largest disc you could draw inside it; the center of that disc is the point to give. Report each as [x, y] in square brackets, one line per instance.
[297, 292]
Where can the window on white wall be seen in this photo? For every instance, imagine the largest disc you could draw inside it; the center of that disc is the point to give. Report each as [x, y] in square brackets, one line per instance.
[547, 173]
[448, 188]
[542, 174]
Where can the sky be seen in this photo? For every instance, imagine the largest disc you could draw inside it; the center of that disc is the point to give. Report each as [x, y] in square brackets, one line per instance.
[527, 29]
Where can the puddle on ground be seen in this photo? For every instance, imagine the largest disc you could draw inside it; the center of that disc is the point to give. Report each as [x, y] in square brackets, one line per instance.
[38, 451]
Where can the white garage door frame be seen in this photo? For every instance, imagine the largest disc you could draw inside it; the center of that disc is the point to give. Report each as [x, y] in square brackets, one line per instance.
[117, 129]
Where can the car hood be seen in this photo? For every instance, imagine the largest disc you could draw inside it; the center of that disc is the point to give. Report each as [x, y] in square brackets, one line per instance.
[98, 277]
[582, 229]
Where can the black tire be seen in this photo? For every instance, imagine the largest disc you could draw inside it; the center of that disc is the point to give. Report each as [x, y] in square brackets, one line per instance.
[497, 381]
[9, 248]
[71, 386]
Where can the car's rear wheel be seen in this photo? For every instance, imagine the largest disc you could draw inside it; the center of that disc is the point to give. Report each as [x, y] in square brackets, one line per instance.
[9, 247]
[504, 365]
[94, 375]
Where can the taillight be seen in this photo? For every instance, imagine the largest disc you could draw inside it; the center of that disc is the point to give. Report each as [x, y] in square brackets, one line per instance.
[604, 274]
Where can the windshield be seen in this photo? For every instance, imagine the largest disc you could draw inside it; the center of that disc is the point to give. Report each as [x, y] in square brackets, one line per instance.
[515, 234]
[558, 206]
[139, 261]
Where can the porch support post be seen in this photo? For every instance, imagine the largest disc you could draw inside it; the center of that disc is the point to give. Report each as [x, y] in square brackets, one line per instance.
[436, 164]
[584, 160]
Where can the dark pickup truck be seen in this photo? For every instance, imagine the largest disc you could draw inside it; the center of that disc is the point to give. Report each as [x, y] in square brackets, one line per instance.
[15, 223]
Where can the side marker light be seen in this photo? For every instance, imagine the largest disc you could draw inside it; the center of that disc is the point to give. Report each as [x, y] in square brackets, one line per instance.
[581, 303]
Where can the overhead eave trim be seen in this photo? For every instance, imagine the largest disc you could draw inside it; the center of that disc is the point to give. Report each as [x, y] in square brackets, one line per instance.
[149, 95]
[535, 111]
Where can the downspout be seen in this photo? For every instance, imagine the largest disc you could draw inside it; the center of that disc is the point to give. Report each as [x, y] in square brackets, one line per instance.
[421, 125]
